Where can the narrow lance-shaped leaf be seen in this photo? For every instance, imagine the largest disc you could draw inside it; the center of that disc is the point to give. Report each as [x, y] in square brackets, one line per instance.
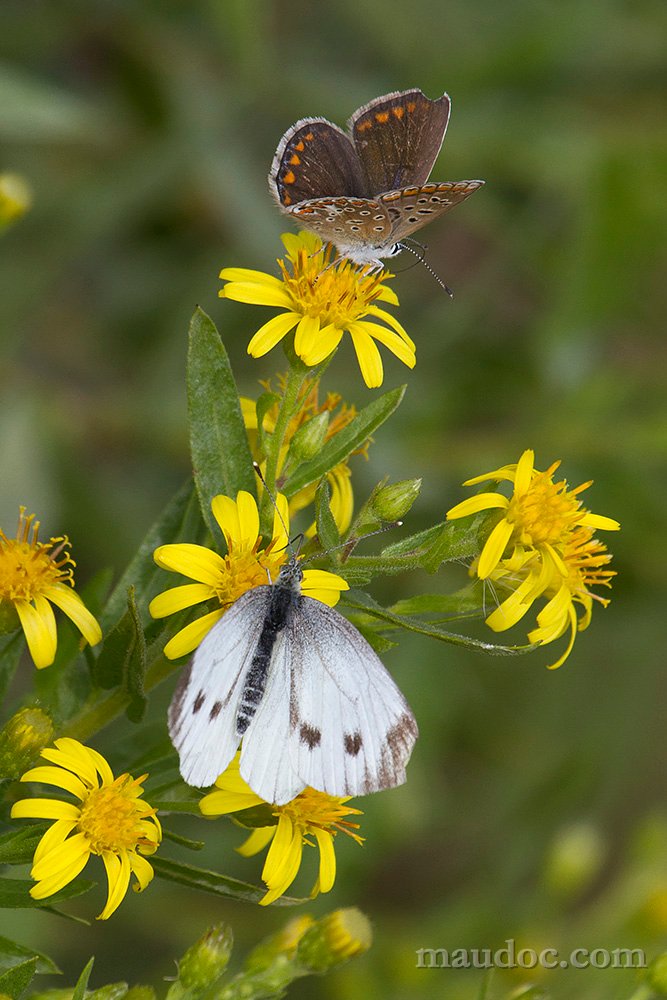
[342, 444]
[221, 456]
[327, 532]
[213, 882]
[14, 981]
[12, 954]
[179, 520]
[82, 984]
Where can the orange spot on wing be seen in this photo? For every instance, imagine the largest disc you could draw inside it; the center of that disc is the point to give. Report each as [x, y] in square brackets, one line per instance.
[411, 106]
[286, 199]
[364, 126]
[300, 146]
[398, 112]
[295, 160]
[309, 137]
[382, 117]
[289, 177]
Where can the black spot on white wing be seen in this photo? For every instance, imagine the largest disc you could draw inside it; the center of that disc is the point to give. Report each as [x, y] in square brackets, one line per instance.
[352, 743]
[215, 711]
[198, 702]
[310, 735]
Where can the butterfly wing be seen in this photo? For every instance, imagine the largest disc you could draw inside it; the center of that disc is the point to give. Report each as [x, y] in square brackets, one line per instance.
[348, 222]
[398, 137]
[202, 713]
[410, 208]
[315, 159]
[351, 731]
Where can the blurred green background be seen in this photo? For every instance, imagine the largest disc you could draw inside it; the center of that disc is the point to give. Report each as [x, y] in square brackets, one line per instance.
[145, 131]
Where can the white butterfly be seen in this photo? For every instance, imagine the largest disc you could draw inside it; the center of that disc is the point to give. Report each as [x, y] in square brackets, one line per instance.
[298, 683]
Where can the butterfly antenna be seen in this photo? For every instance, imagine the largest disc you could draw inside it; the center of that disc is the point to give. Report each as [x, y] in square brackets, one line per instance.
[422, 260]
[352, 542]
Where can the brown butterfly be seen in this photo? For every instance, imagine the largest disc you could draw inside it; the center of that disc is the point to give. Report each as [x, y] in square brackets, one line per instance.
[367, 190]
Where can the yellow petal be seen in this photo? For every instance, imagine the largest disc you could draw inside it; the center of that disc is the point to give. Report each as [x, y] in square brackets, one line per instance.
[80, 759]
[220, 803]
[58, 881]
[39, 626]
[61, 857]
[473, 505]
[189, 637]
[327, 875]
[248, 275]
[171, 601]
[272, 333]
[195, 561]
[118, 874]
[394, 324]
[600, 521]
[305, 338]
[257, 841]
[524, 472]
[368, 356]
[142, 870]
[248, 520]
[45, 809]
[283, 860]
[391, 340]
[493, 549]
[55, 835]
[327, 341]
[257, 293]
[70, 602]
[57, 776]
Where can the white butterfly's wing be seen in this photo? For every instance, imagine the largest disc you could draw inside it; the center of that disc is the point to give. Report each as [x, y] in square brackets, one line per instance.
[266, 753]
[202, 714]
[352, 731]
[331, 716]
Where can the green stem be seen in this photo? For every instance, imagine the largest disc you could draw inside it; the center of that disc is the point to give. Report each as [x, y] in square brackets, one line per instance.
[295, 379]
[98, 715]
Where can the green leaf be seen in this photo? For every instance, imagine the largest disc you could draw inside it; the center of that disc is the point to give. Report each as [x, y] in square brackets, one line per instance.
[82, 984]
[362, 602]
[219, 444]
[15, 893]
[18, 846]
[461, 604]
[213, 882]
[327, 531]
[342, 444]
[262, 407]
[122, 661]
[179, 520]
[12, 954]
[176, 838]
[11, 647]
[18, 978]
[114, 991]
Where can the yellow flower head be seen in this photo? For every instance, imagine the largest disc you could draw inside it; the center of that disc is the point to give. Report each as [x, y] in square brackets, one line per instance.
[322, 300]
[311, 814]
[110, 820]
[340, 414]
[542, 546]
[34, 575]
[224, 578]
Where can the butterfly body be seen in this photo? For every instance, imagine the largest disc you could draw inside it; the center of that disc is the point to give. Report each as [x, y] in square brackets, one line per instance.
[308, 696]
[366, 190]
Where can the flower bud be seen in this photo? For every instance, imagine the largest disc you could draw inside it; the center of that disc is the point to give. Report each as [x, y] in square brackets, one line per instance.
[390, 503]
[339, 936]
[310, 437]
[15, 198]
[206, 960]
[283, 943]
[22, 739]
[656, 975]
[574, 859]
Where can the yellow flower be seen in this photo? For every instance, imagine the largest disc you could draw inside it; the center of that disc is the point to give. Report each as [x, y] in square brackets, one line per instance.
[111, 820]
[322, 299]
[34, 573]
[542, 547]
[225, 578]
[15, 198]
[311, 814]
[339, 478]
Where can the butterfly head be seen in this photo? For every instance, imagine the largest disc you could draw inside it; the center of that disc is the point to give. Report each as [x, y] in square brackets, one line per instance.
[291, 575]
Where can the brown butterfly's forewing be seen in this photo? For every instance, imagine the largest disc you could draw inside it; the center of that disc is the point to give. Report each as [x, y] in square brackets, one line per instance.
[398, 138]
[315, 159]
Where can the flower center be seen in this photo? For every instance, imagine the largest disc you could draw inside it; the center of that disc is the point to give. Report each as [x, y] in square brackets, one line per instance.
[245, 570]
[546, 511]
[28, 566]
[336, 295]
[317, 809]
[112, 820]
